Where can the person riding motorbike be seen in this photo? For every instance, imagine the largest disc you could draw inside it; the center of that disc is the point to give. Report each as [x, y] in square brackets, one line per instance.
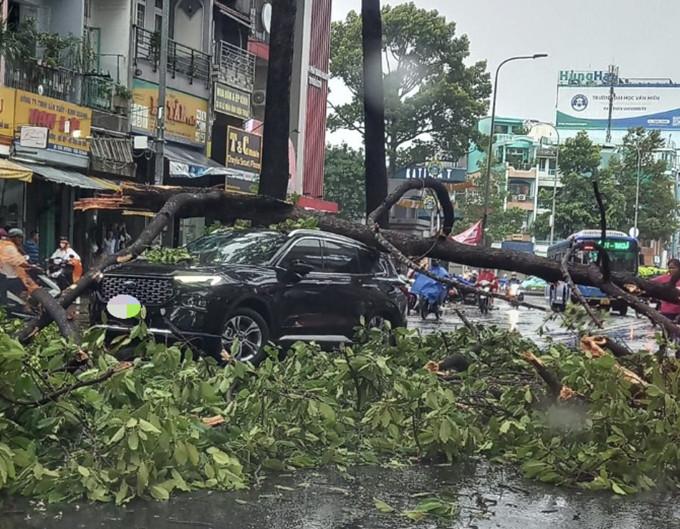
[66, 256]
[431, 293]
[14, 267]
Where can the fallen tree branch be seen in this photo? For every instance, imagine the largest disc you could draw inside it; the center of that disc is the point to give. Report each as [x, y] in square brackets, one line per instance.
[573, 288]
[557, 390]
[592, 346]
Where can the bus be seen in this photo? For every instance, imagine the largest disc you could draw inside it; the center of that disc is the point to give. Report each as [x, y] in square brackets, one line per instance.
[624, 256]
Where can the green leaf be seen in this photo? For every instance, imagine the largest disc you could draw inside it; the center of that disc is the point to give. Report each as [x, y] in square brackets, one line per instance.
[617, 489]
[83, 471]
[382, 506]
[148, 427]
[180, 453]
[445, 430]
[327, 412]
[118, 435]
[133, 441]
[159, 492]
[505, 426]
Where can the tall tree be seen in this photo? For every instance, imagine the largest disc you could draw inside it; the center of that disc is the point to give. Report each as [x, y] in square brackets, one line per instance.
[274, 174]
[581, 160]
[374, 107]
[432, 98]
[344, 181]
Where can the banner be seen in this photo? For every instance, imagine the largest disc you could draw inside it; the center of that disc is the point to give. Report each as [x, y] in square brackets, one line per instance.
[68, 124]
[231, 101]
[244, 150]
[472, 236]
[7, 103]
[649, 106]
[185, 115]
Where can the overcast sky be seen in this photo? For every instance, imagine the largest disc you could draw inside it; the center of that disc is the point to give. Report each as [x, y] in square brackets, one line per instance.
[638, 36]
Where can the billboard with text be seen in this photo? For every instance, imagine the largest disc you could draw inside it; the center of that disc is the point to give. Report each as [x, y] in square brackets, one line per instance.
[650, 106]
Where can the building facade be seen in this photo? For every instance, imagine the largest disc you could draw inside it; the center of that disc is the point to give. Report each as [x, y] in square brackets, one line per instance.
[82, 116]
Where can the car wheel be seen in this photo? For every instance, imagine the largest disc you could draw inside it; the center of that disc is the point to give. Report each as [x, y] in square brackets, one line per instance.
[252, 333]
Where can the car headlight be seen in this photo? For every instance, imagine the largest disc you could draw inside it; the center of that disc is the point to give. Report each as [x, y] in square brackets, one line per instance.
[195, 279]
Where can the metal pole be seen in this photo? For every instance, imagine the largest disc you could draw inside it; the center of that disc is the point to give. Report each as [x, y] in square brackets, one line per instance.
[487, 182]
[162, 79]
[613, 76]
[637, 191]
[554, 197]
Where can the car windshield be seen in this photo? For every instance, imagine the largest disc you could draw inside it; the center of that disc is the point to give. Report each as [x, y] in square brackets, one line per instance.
[236, 247]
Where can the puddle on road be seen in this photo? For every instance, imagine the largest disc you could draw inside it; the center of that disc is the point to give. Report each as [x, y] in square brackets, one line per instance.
[325, 500]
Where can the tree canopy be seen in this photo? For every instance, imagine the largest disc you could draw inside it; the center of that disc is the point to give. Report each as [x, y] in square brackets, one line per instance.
[581, 161]
[432, 99]
[344, 180]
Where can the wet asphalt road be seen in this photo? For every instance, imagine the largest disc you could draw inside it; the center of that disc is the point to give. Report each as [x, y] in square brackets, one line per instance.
[489, 496]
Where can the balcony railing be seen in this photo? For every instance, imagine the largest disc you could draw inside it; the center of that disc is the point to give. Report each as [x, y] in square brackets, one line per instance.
[60, 83]
[237, 66]
[183, 60]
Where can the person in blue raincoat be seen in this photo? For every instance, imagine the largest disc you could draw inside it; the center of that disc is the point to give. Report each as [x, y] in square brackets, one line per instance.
[426, 287]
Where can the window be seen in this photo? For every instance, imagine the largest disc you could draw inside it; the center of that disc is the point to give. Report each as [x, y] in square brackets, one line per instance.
[340, 258]
[368, 262]
[158, 24]
[159, 4]
[141, 14]
[255, 248]
[306, 250]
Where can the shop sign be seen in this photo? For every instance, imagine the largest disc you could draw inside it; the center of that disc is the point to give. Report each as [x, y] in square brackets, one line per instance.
[185, 115]
[244, 150]
[34, 137]
[231, 101]
[68, 124]
[7, 102]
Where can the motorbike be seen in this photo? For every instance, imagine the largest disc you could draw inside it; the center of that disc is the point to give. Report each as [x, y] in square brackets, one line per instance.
[484, 300]
[60, 271]
[513, 291]
[15, 304]
[411, 298]
[428, 305]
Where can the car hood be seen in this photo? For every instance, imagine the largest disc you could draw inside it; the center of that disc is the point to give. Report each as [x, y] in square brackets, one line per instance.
[145, 268]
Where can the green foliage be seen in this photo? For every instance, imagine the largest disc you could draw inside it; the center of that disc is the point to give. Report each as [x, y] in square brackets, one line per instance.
[647, 272]
[576, 208]
[344, 181]
[165, 255]
[431, 94]
[288, 225]
[141, 432]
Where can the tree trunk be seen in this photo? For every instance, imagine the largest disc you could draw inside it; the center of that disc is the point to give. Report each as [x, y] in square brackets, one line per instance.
[274, 175]
[374, 107]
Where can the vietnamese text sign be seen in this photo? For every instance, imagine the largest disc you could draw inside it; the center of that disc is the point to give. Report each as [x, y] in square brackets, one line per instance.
[68, 124]
[185, 115]
[7, 102]
[587, 107]
[231, 101]
[244, 150]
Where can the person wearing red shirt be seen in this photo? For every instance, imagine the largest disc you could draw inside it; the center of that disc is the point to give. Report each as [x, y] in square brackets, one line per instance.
[487, 275]
[668, 309]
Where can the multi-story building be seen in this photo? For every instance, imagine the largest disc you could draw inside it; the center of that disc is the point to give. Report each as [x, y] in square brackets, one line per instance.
[525, 153]
[80, 113]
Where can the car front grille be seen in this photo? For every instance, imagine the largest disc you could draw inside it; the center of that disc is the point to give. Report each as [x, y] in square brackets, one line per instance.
[149, 291]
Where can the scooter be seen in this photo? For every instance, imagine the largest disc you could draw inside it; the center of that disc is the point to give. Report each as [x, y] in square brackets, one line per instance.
[18, 307]
[60, 271]
[484, 300]
[429, 306]
[514, 292]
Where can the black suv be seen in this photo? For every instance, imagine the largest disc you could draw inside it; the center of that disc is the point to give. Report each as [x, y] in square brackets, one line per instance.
[257, 286]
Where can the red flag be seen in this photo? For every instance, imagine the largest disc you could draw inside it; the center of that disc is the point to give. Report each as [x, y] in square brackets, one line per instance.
[472, 236]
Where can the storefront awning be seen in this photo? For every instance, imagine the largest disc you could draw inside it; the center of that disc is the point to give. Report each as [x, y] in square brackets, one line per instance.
[186, 163]
[70, 178]
[13, 171]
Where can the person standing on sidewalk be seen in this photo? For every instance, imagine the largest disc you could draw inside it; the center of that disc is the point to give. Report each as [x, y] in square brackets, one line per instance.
[668, 309]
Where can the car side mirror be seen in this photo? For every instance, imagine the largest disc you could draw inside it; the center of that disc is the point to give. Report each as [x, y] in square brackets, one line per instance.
[300, 268]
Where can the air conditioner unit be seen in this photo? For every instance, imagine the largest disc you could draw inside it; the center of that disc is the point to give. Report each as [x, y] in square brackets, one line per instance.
[522, 198]
[259, 98]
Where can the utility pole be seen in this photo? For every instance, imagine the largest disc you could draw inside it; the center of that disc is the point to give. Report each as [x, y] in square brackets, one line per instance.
[613, 77]
[162, 80]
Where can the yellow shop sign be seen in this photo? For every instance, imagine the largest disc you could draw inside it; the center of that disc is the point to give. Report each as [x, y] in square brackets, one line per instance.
[68, 124]
[185, 115]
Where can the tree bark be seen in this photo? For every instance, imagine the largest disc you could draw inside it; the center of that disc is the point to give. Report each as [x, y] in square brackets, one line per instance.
[275, 163]
[374, 107]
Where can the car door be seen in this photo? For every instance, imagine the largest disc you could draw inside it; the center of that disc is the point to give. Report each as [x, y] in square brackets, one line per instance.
[347, 299]
[302, 304]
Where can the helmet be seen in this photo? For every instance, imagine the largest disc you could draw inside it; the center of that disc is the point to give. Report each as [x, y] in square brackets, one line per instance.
[16, 232]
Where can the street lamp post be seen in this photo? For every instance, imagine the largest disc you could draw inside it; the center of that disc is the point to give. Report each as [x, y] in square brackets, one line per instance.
[554, 197]
[487, 183]
[637, 190]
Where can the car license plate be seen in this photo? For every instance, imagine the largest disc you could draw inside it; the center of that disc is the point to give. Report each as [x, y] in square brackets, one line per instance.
[124, 307]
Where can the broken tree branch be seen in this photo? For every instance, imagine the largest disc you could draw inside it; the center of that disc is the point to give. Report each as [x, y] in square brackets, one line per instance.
[575, 290]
